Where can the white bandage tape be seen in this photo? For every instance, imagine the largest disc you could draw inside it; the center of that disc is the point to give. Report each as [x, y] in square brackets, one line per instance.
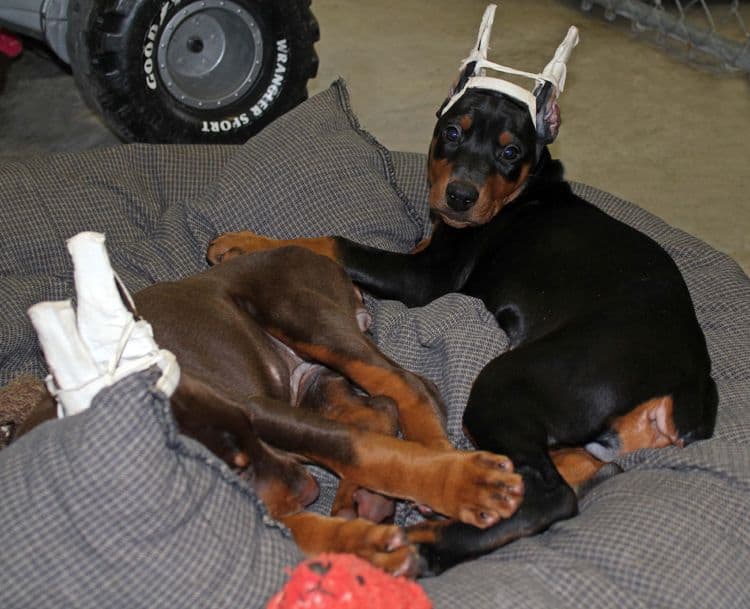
[101, 343]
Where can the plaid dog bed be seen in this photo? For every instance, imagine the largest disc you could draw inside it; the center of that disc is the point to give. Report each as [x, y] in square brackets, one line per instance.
[114, 508]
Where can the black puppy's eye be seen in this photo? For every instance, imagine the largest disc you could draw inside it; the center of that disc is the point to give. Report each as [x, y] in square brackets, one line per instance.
[511, 153]
[452, 133]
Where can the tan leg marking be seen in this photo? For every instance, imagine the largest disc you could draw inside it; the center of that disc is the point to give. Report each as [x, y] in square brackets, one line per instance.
[476, 487]
[575, 465]
[385, 546]
[649, 425]
[334, 397]
[420, 415]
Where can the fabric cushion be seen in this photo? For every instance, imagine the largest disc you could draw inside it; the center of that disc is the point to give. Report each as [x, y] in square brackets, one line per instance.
[672, 531]
[113, 508]
[314, 173]
[133, 194]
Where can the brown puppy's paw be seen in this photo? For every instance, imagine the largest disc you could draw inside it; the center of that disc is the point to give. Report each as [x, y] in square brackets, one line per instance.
[385, 546]
[479, 488]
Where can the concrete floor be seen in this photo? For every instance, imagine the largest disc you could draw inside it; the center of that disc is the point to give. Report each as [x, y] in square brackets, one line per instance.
[637, 121]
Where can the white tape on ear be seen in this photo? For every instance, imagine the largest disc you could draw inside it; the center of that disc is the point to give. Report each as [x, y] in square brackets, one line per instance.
[483, 37]
[554, 72]
[102, 316]
[103, 342]
[68, 358]
[557, 69]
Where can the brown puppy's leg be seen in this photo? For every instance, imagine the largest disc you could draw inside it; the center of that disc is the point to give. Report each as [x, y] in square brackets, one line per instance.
[205, 414]
[476, 487]
[576, 465]
[309, 303]
[318, 321]
[280, 480]
[333, 396]
[420, 410]
[385, 546]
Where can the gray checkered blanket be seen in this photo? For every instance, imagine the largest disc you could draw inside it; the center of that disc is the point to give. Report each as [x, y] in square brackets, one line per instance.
[673, 530]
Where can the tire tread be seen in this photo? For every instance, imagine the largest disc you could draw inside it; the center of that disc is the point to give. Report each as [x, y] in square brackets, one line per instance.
[98, 42]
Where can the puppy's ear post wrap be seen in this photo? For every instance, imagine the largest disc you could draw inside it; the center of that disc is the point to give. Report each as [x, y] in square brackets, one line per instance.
[103, 342]
[541, 101]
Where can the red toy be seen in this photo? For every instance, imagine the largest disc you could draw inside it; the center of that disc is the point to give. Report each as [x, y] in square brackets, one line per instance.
[10, 45]
[344, 581]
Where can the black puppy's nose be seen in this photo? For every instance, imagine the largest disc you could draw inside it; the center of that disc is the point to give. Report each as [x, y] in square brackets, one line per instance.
[460, 196]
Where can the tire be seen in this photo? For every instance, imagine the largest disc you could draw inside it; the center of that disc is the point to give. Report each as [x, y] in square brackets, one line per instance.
[182, 71]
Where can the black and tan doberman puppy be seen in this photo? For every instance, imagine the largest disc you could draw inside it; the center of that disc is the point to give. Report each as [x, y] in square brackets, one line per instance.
[606, 352]
[270, 348]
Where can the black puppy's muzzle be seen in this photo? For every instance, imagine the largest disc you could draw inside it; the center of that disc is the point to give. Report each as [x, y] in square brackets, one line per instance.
[461, 196]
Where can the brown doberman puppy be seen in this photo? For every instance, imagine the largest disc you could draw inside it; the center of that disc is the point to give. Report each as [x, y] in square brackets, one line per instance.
[274, 365]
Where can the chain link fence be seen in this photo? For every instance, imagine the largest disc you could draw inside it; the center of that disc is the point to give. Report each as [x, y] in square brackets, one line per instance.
[707, 33]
